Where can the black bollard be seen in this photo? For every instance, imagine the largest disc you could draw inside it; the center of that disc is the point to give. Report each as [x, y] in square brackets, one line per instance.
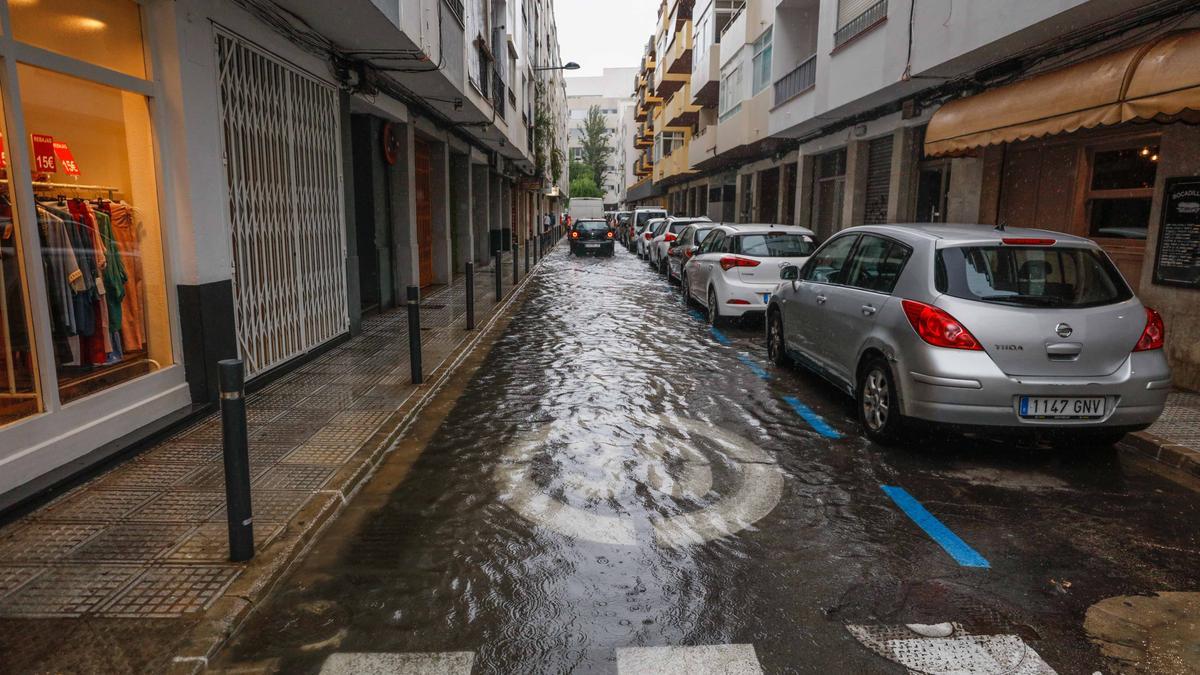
[237, 460]
[499, 276]
[470, 295]
[516, 265]
[526, 257]
[414, 334]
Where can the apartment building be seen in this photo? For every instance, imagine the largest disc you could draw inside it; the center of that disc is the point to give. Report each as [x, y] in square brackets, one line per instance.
[266, 183]
[611, 93]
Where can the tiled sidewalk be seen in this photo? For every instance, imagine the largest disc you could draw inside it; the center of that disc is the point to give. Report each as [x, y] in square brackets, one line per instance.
[147, 539]
[1174, 439]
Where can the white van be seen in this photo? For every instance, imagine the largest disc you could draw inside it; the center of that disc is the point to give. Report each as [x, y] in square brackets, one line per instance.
[582, 208]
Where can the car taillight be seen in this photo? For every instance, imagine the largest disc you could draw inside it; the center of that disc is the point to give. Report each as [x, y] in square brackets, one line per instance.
[938, 328]
[610, 234]
[1022, 241]
[731, 261]
[575, 235]
[1153, 334]
[648, 236]
[689, 253]
[669, 237]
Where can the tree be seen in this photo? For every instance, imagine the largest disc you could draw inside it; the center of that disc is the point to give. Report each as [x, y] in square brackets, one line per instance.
[584, 186]
[597, 148]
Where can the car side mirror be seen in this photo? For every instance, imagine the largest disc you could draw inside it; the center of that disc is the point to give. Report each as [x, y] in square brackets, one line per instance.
[789, 273]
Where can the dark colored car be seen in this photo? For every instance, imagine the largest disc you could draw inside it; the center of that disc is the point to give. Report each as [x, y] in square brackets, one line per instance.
[592, 236]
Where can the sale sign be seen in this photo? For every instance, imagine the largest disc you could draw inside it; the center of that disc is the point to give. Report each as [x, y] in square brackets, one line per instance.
[43, 154]
[68, 160]
[3, 154]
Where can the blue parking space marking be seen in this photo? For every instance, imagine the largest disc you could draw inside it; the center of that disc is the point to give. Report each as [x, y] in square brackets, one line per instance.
[950, 542]
[754, 367]
[721, 337]
[697, 315]
[814, 420]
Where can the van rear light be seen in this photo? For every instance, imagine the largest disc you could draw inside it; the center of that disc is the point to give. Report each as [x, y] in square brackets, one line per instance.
[1027, 241]
[1153, 334]
[731, 261]
[938, 328]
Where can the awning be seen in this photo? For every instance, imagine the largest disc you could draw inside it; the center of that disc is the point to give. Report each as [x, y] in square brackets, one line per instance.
[1155, 80]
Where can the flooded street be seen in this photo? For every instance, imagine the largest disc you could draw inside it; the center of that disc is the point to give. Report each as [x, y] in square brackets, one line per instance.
[618, 476]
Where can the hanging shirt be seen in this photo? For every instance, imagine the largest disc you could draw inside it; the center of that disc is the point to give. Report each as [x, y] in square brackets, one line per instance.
[64, 277]
[126, 228]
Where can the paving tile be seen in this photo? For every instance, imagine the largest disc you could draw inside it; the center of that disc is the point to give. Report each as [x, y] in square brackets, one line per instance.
[295, 477]
[183, 452]
[180, 506]
[274, 506]
[11, 578]
[46, 541]
[158, 475]
[342, 435]
[212, 477]
[96, 505]
[171, 591]
[264, 454]
[209, 543]
[132, 542]
[315, 454]
[67, 591]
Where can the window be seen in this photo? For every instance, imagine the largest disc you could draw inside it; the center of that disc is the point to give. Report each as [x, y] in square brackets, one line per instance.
[713, 243]
[1120, 192]
[775, 245]
[877, 264]
[762, 61]
[731, 92]
[856, 16]
[826, 264]
[18, 382]
[829, 178]
[668, 142]
[1054, 277]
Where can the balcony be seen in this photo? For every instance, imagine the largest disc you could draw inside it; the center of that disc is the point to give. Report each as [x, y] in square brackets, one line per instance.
[673, 165]
[668, 83]
[680, 111]
[649, 63]
[860, 24]
[802, 79]
[703, 147]
[678, 57]
[706, 79]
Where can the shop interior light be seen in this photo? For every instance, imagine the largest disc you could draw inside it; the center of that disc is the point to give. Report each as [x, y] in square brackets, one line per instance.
[1145, 151]
[87, 23]
[1154, 158]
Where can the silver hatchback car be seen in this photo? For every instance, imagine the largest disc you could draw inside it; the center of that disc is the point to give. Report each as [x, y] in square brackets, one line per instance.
[974, 327]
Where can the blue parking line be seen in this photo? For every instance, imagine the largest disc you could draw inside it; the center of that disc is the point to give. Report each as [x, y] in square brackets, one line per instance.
[720, 337]
[697, 315]
[814, 420]
[950, 542]
[754, 367]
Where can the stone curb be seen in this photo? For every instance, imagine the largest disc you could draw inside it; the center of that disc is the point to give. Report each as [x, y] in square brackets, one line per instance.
[228, 613]
[1164, 451]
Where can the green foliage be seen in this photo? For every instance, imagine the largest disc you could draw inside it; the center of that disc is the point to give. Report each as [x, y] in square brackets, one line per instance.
[584, 186]
[597, 145]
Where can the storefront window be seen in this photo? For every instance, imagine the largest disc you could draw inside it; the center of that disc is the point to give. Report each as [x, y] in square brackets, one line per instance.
[107, 33]
[97, 211]
[18, 379]
[1121, 191]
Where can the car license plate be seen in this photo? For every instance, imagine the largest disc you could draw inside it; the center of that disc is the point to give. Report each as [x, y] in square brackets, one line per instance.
[1062, 408]
[591, 245]
[766, 298]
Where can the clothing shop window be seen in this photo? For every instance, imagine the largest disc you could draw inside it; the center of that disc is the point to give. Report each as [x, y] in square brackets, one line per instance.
[107, 33]
[97, 215]
[18, 369]
[1120, 192]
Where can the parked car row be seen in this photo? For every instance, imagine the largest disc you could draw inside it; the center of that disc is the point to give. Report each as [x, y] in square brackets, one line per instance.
[959, 326]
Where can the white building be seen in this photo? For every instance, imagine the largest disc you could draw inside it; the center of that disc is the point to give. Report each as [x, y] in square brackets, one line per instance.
[612, 92]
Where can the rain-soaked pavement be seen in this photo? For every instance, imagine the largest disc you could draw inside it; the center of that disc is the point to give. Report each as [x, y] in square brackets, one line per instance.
[617, 475]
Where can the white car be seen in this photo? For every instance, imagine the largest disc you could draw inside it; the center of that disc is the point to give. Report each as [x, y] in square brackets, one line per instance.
[665, 237]
[737, 267]
[644, 236]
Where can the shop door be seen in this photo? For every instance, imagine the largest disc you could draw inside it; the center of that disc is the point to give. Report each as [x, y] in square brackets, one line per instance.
[768, 196]
[424, 213]
[282, 162]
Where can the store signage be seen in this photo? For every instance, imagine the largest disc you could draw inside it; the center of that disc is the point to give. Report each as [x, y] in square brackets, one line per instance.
[68, 160]
[43, 154]
[391, 143]
[1177, 261]
[3, 154]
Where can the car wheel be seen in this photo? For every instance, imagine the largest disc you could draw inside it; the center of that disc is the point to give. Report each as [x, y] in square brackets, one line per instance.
[686, 294]
[775, 342]
[877, 402]
[662, 267]
[714, 310]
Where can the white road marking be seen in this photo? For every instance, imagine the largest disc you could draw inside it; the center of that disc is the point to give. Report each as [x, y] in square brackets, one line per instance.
[701, 660]
[386, 663]
[670, 464]
[959, 652]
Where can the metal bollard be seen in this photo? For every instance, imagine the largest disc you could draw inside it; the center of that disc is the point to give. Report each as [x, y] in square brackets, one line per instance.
[526, 257]
[470, 295]
[516, 265]
[237, 460]
[414, 334]
[499, 276]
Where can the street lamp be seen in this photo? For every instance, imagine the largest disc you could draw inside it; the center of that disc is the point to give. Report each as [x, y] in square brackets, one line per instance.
[570, 65]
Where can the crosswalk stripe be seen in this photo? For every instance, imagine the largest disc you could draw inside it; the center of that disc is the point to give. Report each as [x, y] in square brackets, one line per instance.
[389, 663]
[700, 660]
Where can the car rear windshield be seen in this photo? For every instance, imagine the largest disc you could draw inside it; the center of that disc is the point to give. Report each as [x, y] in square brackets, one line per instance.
[591, 225]
[775, 245]
[1030, 276]
[622, 218]
[643, 216]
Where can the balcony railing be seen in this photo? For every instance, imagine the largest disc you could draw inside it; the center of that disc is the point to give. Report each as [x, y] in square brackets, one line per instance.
[499, 93]
[800, 80]
[456, 8]
[871, 16]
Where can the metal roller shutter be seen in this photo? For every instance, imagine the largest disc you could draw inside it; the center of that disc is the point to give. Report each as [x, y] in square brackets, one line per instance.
[879, 179]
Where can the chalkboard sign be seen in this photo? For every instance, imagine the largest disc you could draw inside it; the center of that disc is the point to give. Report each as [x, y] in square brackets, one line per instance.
[1177, 262]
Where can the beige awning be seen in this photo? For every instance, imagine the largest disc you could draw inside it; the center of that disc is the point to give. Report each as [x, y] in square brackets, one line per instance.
[1159, 79]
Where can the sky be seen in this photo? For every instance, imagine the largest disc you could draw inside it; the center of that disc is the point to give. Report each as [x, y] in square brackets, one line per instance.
[599, 34]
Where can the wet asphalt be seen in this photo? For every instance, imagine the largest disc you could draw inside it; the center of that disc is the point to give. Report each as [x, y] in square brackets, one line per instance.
[616, 474]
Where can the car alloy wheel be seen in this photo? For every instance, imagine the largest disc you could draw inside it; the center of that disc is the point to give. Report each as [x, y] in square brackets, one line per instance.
[662, 267]
[714, 310]
[775, 349]
[876, 400]
[686, 291]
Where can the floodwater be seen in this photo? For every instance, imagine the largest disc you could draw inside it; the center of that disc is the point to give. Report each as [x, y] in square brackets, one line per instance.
[618, 475]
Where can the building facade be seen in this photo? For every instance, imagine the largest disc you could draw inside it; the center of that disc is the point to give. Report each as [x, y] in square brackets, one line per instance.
[191, 180]
[1073, 115]
[610, 92]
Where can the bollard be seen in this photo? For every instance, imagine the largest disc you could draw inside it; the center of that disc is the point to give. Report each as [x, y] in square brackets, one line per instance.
[414, 334]
[499, 276]
[237, 460]
[526, 257]
[470, 295]
[516, 265]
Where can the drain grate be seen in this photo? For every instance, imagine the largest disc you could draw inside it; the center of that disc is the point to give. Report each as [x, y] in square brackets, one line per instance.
[958, 652]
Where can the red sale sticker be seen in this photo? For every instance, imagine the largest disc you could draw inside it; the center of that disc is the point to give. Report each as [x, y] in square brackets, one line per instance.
[3, 154]
[68, 160]
[43, 154]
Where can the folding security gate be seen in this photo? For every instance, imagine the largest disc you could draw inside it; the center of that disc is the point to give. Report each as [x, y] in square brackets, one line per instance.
[283, 165]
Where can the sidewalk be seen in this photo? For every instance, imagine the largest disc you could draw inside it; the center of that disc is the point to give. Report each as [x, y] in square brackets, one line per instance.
[1174, 439]
[115, 574]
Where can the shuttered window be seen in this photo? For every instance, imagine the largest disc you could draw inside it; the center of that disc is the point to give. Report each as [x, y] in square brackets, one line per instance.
[879, 179]
[849, 10]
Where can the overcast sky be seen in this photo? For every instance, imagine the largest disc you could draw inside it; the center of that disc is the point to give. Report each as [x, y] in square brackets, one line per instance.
[601, 34]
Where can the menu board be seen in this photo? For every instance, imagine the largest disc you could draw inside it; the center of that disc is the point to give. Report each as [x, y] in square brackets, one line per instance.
[1177, 262]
